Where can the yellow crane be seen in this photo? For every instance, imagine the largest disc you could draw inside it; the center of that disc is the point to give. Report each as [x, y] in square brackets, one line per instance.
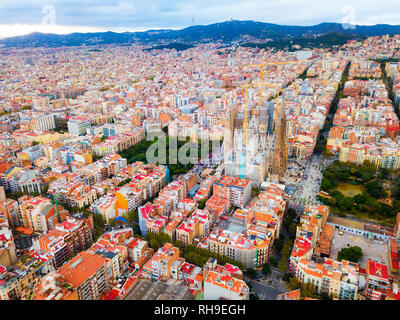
[261, 72]
[280, 90]
[263, 65]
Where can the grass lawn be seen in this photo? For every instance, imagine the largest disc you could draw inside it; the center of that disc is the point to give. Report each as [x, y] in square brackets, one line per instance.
[199, 296]
[389, 222]
[350, 190]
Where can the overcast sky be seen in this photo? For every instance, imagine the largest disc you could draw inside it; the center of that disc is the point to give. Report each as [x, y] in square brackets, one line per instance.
[65, 16]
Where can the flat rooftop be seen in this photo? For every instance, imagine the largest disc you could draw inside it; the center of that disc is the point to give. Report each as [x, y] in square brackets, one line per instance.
[147, 290]
[370, 249]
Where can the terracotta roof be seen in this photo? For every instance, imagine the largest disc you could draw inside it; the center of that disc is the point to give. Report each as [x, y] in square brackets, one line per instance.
[79, 269]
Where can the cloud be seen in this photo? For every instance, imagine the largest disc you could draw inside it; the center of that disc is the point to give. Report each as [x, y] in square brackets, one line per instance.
[146, 14]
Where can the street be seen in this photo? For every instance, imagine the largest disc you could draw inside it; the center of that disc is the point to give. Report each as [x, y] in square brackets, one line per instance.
[308, 188]
[268, 288]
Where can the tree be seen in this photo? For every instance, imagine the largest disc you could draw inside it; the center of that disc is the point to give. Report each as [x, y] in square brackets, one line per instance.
[278, 244]
[272, 261]
[309, 290]
[45, 189]
[199, 256]
[202, 204]
[253, 297]
[286, 277]
[157, 240]
[375, 189]
[327, 154]
[290, 216]
[266, 269]
[179, 244]
[366, 172]
[287, 248]
[99, 224]
[282, 266]
[123, 182]
[352, 254]
[348, 203]
[255, 192]
[325, 184]
[132, 216]
[292, 230]
[251, 272]
[325, 296]
[294, 284]
[98, 220]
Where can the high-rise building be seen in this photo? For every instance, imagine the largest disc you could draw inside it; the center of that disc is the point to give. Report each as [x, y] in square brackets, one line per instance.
[78, 125]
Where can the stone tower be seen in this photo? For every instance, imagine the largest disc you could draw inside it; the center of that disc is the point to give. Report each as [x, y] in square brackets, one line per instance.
[280, 154]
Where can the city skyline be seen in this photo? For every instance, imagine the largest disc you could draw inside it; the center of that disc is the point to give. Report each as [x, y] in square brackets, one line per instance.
[68, 16]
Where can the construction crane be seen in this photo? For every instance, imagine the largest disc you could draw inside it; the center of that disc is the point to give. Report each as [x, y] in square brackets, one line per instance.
[246, 108]
[276, 107]
[261, 66]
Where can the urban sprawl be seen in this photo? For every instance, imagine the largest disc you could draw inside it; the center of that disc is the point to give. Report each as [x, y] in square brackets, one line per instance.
[296, 198]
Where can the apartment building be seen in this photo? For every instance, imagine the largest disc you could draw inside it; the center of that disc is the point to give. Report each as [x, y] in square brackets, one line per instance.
[39, 214]
[307, 234]
[197, 225]
[9, 208]
[339, 279]
[234, 189]
[7, 246]
[65, 240]
[377, 280]
[45, 122]
[53, 286]
[159, 266]
[88, 273]
[221, 286]
[235, 246]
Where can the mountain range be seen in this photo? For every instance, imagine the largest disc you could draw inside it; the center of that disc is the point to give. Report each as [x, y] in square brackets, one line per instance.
[226, 32]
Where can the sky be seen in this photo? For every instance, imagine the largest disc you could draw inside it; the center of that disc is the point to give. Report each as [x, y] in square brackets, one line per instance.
[18, 17]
